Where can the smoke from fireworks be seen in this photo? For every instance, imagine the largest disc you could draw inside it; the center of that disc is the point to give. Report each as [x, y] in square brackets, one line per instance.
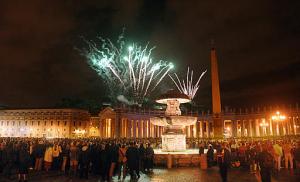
[128, 70]
[187, 86]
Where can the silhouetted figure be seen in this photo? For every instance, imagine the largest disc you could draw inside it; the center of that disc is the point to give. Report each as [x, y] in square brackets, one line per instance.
[8, 156]
[149, 157]
[23, 163]
[266, 162]
[105, 161]
[84, 161]
[132, 155]
[142, 152]
[224, 161]
[210, 156]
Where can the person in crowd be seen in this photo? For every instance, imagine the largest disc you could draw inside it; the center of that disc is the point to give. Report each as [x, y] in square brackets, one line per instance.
[142, 152]
[242, 154]
[105, 161]
[287, 151]
[223, 158]
[297, 157]
[234, 151]
[122, 162]
[1, 156]
[94, 159]
[74, 155]
[56, 156]
[132, 155]
[210, 156]
[39, 150]
[265, 161]
[277, 155]
[23, 163]
[65, 158]
[32, 157]
[8, 160]
[48, 157]
[84, 161]
[114, 156]
[149, 158]
[201, 149]
[252, 158]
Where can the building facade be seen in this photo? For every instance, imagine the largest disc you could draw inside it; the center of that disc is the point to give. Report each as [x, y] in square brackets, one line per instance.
[50, 123]
[135, 123]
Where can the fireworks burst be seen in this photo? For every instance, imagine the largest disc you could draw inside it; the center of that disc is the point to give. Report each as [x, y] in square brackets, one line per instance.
[187, 86]
[130, 71]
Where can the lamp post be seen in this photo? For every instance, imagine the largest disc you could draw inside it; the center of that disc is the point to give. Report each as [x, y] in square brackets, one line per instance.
[278, 118]
[264, 126]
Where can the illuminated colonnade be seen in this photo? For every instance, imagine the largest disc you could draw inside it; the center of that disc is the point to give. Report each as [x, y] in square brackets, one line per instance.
[49, 123]
[114, 123]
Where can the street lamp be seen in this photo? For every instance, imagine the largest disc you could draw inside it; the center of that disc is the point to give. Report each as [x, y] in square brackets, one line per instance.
[264, 126]
[278, 118]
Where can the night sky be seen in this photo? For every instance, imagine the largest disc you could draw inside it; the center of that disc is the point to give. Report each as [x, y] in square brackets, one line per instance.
[257, 44]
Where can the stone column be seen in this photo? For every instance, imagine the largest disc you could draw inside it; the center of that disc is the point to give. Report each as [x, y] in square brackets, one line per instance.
[250, 128]
[195, 130]
[126, 127]
[294, 126]
[234, 128]
[149, 129]
[131, 128]
[201, 128]
[136, 129]
[257, 128]
[208, 129]
[271, 127]
[141, 125]
[243, 128]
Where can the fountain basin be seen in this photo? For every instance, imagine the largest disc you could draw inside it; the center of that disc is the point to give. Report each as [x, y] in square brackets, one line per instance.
[173, 142]
[174, 120]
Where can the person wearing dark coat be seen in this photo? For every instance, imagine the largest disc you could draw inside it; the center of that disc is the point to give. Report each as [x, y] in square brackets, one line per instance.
[8, 160]
[149, 157]
[210, 156]
[39, 151]
[23, 162]
[224, 161]
[95, 160]
[142, 152]
[132, 155]
[1, 157]
[105, 162]
[84, 161]
[265, 161]
[114, 156]
[65, 167]
[201, 149]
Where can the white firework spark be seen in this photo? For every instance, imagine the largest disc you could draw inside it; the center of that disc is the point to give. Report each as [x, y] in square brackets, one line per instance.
[187, 87]
[130, 70]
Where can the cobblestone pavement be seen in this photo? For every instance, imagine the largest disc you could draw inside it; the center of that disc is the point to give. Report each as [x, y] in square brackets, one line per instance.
[170, 175]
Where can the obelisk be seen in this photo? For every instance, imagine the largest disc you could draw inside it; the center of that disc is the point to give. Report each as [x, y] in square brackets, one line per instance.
[216, 100]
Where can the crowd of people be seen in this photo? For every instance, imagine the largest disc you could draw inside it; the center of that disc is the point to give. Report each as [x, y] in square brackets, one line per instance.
[76, 158]
[262, 157]
[121, 157]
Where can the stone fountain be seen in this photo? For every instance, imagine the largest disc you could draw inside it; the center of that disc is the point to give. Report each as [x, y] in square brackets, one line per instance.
[173, 138]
